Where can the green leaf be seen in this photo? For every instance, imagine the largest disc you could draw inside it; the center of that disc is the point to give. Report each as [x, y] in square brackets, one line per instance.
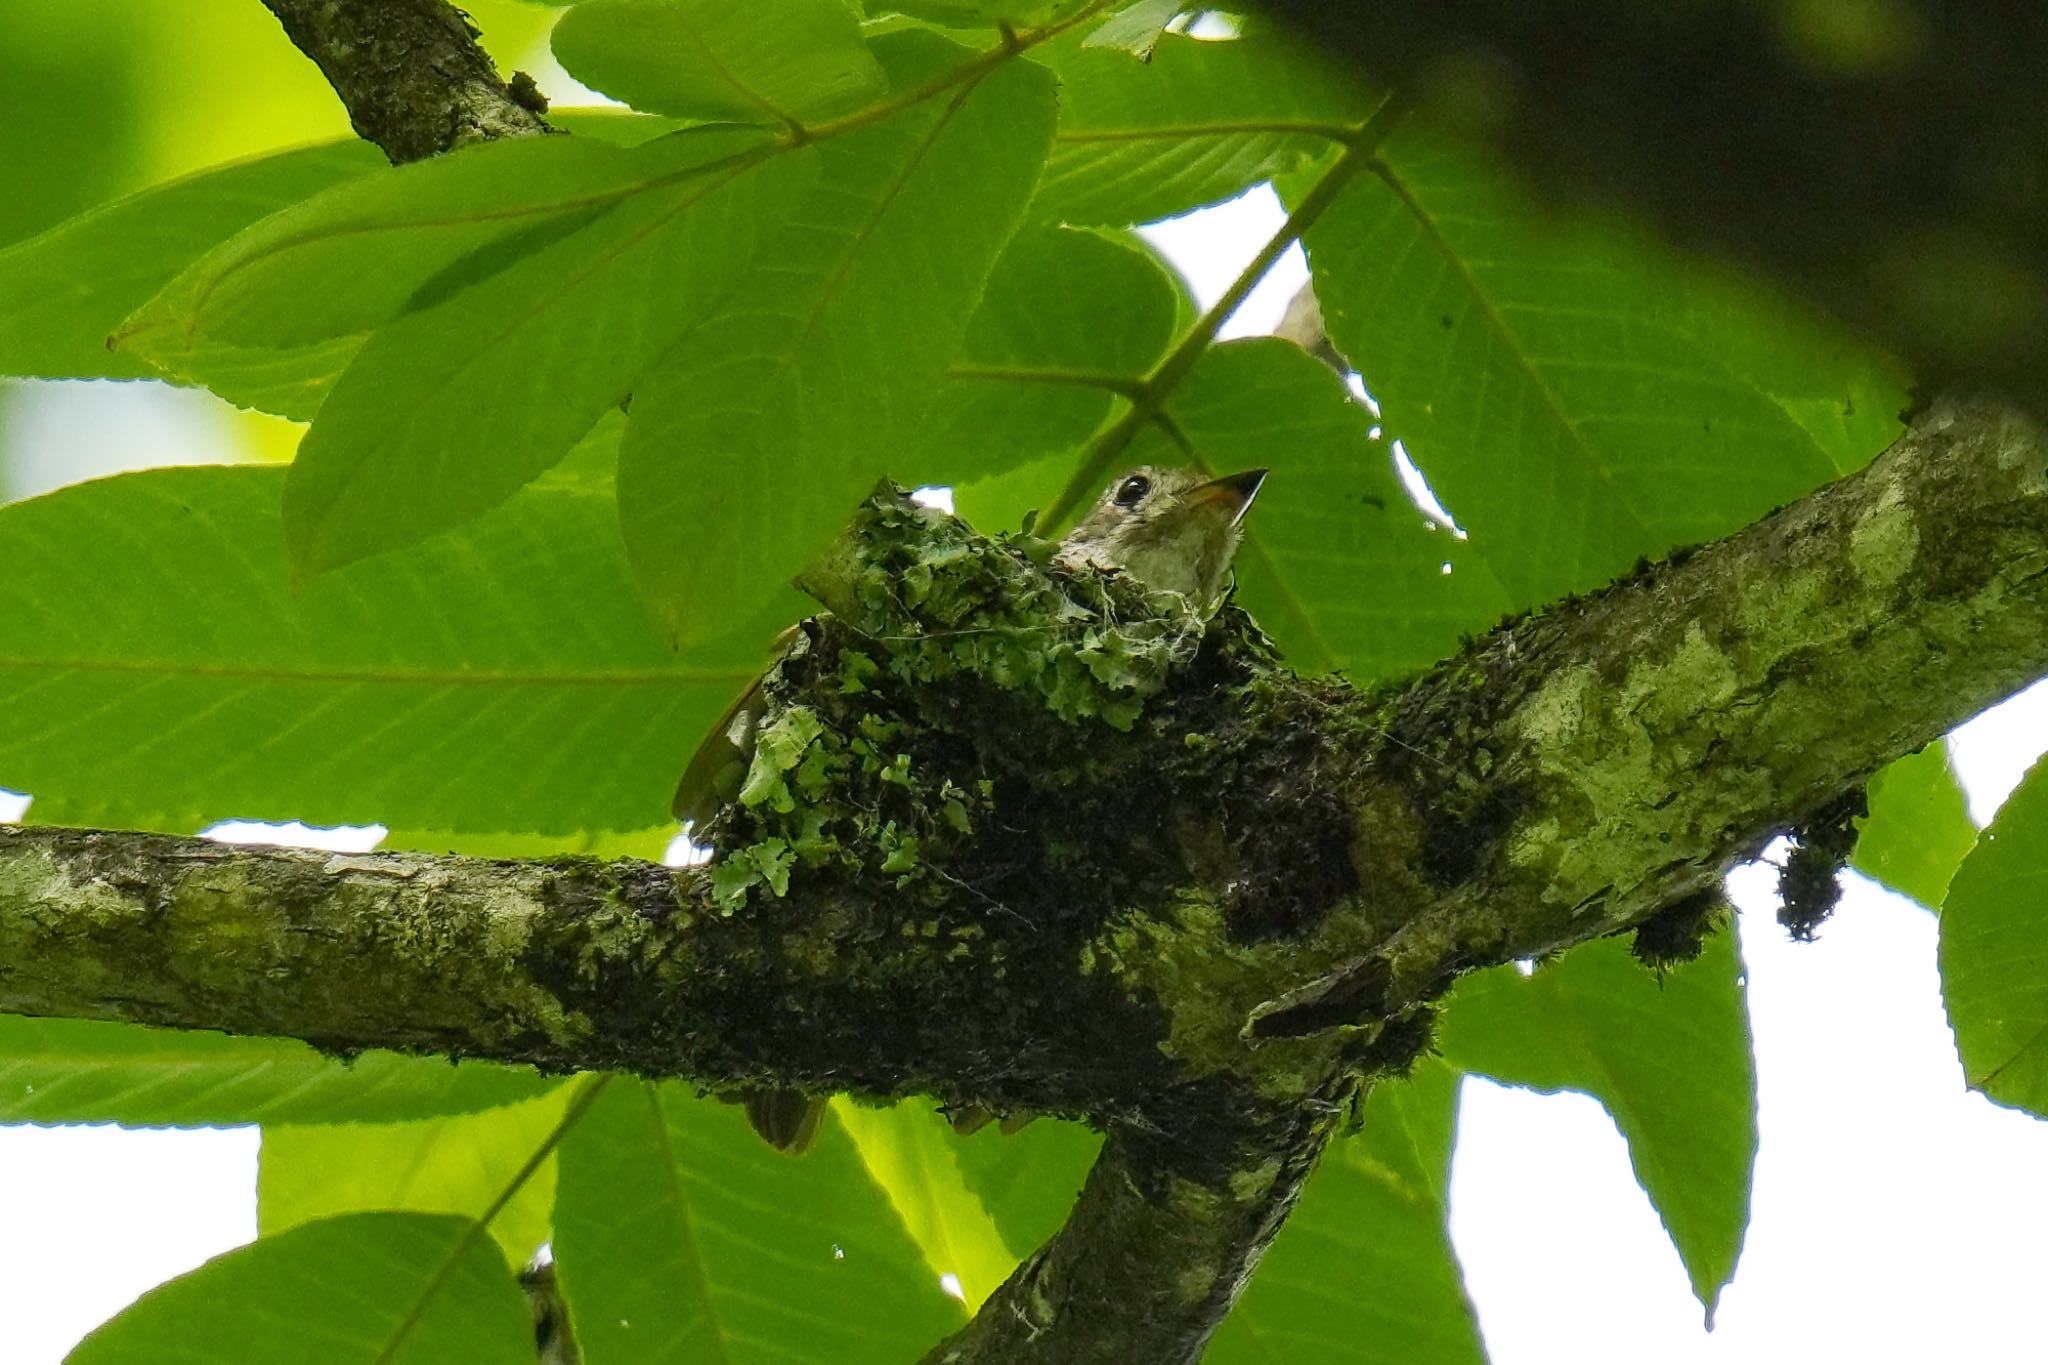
[450, 409]
[274, 315]
[158, 671]
[770, 420]
[63, 293]
[680, 1235]
[1667, 1054]
[782, 63]
[86, 1071]
[648, 845]
[978, 13]
[497, 1164]
[909, 1151]
[1918, 831]
[357, 256]
[1994, 952]
[1028, 1180]
[1337, 563]
[1069, 318]
[1135, 30]
[1363, 1269]
[1201, 122]
[1577, 397]
[374, 1288]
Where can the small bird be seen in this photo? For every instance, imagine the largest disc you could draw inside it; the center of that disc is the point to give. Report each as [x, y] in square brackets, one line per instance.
[1173, 530]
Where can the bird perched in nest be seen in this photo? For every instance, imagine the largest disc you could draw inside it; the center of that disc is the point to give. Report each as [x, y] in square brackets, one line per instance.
[1173, 530]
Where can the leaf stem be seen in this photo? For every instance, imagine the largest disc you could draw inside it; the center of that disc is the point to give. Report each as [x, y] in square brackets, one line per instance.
[1361, 147]
[1014, 42]
[588, 1087]
[1130, 386]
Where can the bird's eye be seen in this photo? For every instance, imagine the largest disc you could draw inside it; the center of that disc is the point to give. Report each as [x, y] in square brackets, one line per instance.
[1132, 491]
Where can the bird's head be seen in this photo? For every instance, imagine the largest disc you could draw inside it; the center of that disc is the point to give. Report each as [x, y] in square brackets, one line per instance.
[1174, 530]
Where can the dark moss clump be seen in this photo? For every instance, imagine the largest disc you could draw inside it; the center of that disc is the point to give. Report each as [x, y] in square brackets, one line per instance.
[1678, 933]
[949, 680]
[1402, 1042]
[1808, 884]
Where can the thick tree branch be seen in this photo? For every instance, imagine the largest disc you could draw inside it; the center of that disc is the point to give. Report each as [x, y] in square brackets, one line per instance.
[411, 73]
[1197, 930]
[1886, 161]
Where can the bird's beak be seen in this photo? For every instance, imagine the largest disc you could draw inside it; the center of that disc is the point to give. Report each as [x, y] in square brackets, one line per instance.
[1232, 494]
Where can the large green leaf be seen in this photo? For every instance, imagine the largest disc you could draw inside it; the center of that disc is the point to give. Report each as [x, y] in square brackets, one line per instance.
[1919, 830]
[158, 671]
[649, 844]
[85, 1071]
[681, 1236]
[1668, 1055]
[1136, 29]
[1363, 1271]
[450, 409]
[1200, 122]
[359, 255]
[771, 419]
[1069, 318]
[908, 1150]
[977, 13]
[781, 63]
[366, 1289]
[1337, 563]
[1994, 952]
[495, 1165]
[275, 314]
[1028, 1180]
[63, 293]
[1577, 397]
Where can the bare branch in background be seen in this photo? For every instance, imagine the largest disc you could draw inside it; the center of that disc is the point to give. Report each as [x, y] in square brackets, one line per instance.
[411, 73]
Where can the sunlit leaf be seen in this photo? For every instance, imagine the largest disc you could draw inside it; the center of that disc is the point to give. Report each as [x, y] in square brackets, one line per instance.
[450, 409]
[1576, 396]
[1919, 830]
[1069, 319]
[646, 844]
[1337, 562]
[770, 420]
[1028, 1180]
[1363, 1271]
[1201, 122]
[781, 63]
[63, 293]
[86, 1071]
[1667, 1053]
[1135, 29]
[681, 1236]
[158, 670]
[374, 1288]
[1994, 953]
[496, 1164]
[978, 13]
[353, 258]
[908, 1150]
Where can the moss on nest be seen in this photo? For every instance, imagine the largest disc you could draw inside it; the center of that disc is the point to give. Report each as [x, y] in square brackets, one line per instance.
[874, 754]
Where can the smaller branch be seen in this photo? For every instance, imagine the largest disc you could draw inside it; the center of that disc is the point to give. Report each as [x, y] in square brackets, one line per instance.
[1361, 146]
[411, 74]
[1156, 1252]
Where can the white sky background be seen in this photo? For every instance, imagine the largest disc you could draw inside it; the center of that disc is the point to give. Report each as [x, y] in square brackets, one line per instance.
[1896, 1217]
